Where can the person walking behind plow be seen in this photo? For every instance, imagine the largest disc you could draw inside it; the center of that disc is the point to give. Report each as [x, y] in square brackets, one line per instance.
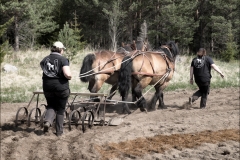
[201, 71]
[55, 82]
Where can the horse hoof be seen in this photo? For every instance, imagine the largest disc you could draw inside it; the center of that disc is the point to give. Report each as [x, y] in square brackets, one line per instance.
[152, 109]
[143, 110]
[162, 107]
[128, 111]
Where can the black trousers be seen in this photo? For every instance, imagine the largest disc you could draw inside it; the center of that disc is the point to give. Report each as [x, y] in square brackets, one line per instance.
[203, 92]
[56, 103]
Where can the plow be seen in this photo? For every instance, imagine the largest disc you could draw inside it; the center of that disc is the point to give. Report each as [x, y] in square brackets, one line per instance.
[80, 111]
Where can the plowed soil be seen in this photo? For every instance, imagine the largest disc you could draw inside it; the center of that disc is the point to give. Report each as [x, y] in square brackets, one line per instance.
[177, 132]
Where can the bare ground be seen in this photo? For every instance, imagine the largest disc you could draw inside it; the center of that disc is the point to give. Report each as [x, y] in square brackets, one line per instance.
[172, 133]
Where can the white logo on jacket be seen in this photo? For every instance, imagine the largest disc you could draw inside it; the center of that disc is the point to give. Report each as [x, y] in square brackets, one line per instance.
[199, 62]
[51, 70]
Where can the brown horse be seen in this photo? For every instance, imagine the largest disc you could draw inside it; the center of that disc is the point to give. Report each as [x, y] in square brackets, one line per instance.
[103, 66]
[147, 68]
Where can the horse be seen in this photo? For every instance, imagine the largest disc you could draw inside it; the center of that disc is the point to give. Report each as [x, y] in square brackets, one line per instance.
[147, 68]
[103, 66]
[50, 66]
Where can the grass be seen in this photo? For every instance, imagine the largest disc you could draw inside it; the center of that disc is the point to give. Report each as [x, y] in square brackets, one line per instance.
[18, 86]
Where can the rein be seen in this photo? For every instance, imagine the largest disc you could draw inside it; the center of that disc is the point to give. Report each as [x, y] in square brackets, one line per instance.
[105, 71]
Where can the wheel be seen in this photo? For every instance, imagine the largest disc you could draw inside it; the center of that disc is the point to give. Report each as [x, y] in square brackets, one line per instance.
[66, 117]
[37, 117]
[90, 119]
[22, 115]
[74, 118]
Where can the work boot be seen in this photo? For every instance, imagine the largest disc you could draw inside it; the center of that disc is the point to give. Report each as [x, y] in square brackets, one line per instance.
[203, 103]
[46, 126]
[59, 124]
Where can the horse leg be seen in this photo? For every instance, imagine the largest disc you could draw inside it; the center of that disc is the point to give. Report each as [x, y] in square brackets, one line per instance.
[134, 97]
[142, 104]
[125, 106]
[94, 86]
[154, 101]
[112, 91]
[161, 104]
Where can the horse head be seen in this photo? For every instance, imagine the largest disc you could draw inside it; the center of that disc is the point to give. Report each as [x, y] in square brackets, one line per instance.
[127, 47]
[141, 45]
[171, 49]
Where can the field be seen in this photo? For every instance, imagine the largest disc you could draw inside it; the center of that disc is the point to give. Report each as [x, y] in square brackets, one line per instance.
[173, 133]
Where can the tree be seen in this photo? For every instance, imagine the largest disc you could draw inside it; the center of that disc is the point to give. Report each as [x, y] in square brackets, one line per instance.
[71, 39]
[215, 18]
[231, 48]
[16, 9]
[222, 20]
[4, 46]
[37, 23]
[114, 14]
[170, 20]
[95, 26]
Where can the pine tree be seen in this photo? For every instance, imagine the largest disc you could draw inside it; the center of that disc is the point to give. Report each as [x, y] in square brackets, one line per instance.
[16, 9]
[71, 38]
[4, 47]
[38, 22]
[231, 48]
[215, 18]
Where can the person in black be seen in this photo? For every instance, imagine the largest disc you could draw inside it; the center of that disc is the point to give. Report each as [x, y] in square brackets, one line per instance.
[201, 70]
[55, 82]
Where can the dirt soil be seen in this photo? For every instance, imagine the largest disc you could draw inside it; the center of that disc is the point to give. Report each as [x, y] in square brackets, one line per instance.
[172, 133]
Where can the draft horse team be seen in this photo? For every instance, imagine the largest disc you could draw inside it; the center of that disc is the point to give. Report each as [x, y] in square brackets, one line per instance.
[136, 69]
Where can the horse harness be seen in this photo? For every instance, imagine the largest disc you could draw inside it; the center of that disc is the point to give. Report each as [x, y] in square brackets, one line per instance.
[111, 60]
[165, 57]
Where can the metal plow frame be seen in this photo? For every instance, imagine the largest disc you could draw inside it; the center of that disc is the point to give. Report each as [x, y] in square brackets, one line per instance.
[86, 116]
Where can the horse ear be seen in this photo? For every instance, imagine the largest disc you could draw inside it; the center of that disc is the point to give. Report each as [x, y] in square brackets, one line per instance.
[123, 45]
[133, 45]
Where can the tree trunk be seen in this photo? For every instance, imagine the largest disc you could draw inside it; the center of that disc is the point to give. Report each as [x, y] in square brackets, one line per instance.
[16, 34]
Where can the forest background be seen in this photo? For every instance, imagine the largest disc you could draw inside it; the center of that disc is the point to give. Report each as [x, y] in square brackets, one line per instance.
[104, 24]
[28, 28]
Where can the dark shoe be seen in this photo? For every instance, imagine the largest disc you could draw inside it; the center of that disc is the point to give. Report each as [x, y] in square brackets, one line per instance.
[46, 126]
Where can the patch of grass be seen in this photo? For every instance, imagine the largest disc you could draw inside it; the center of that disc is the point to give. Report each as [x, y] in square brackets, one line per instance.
[16, 94]
[18, 87]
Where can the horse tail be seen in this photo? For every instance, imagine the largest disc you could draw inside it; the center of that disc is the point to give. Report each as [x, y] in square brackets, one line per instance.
[125, 74]
[87, 67]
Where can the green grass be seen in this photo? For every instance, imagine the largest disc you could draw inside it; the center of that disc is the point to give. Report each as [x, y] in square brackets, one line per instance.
[18, 87]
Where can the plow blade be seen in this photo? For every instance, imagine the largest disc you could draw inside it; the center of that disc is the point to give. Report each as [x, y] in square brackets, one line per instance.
[115, 121]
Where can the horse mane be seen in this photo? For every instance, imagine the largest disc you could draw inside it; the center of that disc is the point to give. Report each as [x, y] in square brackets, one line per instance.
[174, 48]
[135, 45]
[139, 44]
[123, 50]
